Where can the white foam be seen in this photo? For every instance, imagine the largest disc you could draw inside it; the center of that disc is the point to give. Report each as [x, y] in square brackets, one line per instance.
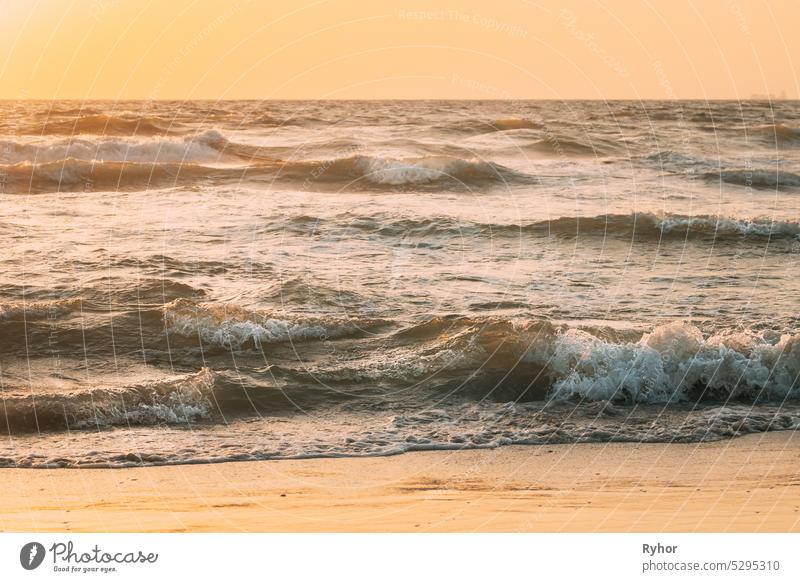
[725, 226]
[397, 172]
[37, 309]
[178, 401]
[667, 364]
[231, 327]
[206, 147]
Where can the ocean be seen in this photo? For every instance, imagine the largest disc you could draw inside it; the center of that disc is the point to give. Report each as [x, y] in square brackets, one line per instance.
[190, 282]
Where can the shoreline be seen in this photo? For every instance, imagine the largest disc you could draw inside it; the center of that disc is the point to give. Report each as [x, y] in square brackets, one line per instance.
[749, 483]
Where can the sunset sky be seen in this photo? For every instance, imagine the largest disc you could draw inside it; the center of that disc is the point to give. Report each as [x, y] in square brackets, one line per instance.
[288, 49]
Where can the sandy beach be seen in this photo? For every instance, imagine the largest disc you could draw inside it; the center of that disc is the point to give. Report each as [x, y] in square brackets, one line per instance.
[747, 484]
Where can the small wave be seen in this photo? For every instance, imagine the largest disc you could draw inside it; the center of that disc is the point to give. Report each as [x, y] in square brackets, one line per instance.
[35, 310]
[478, 126]
[758, 179]
[446, 426]
[565, 146]
[104, 124]
[208, 147]
[513, 123]
[377, 171]
[640, 225]
[56, 110]
[561, 143]
[301, 291]
[229, 326]
[675, 161]
[142, 293]
[267, 120]
[704, 117]
[356, 172]
[780, 135]
[177, 400]
[653, 226]
[102, 294]
[72, 175]
[169, 266]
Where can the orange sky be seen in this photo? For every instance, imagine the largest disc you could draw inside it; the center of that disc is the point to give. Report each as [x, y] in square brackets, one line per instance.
[262, 49]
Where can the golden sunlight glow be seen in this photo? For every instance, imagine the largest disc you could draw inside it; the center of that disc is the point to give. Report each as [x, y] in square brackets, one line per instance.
[194, 49]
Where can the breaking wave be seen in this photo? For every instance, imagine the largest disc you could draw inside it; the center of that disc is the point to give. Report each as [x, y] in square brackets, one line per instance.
[654, 226]
[758, 179]
[673, 363]
[210, 158]
[540, 360]
[480, 361]
[232, 327]
[34, 310]
[176, 400]
[676, 363]
[209, 146]
[641, 225]
[88, 176]
[379, 171]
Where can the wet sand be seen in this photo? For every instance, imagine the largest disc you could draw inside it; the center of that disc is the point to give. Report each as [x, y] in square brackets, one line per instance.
[745, 484]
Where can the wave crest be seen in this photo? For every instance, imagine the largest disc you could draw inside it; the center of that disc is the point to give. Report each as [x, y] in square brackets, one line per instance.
[543, 360]
[779, 134]
[378, 171]
[478, 126]
[758, 179]
[176, 400]
[106, 124]
[642, 225]
[676, 363]
[35, 310]
[208, 146]
[229, 326]
[185, 163]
